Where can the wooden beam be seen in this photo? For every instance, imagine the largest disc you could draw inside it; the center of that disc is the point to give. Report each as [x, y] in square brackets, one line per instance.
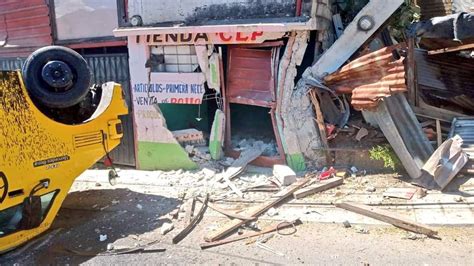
[256, 211]
[439, 134]
[227, 212]
[316, 188]
[411, 80]
[194, 221]
[388, 217]
[267, 230]
[452, 49]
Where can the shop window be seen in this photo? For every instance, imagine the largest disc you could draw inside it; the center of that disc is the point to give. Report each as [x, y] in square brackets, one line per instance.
[86, 19]
[175, 59]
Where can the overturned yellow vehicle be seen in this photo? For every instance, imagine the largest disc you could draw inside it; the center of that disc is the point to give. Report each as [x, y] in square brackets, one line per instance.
[53, 126]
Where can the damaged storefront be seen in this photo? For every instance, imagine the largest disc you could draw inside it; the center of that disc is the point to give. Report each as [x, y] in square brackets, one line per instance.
[203, 93]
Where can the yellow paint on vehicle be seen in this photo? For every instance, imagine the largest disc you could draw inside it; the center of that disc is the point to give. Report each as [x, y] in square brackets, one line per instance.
[33, 147]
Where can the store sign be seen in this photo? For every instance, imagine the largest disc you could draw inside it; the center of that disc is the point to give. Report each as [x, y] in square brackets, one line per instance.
[208, 38]
[176, 88]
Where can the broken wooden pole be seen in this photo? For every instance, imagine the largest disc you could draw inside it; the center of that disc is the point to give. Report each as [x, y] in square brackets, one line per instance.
[388, 217]
[256, 211]
[267, 230]
[194, 221]
[319, 187]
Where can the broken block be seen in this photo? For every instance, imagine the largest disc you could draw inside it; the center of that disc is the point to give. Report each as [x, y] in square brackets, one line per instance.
[284, 174]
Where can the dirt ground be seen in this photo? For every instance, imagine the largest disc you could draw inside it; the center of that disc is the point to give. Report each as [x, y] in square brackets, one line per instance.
[131, 214]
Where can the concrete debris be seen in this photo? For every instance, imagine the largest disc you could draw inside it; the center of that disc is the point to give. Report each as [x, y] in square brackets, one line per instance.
[284, 174]
[102, 238]
[272, 212]
[269, 148]
[414, 236]
[370, 189]
[139, 206]
[189, 136]
[166, 228]
[189, 149]
[110, 246]
[346, 224]
[361, 230]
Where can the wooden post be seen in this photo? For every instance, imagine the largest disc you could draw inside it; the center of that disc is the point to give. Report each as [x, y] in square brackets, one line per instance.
[411, 75]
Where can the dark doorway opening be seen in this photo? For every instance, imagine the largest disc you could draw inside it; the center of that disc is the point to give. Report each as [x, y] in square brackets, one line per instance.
[250, 124]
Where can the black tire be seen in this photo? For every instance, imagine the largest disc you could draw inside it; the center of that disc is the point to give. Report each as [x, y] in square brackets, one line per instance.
[47, 95]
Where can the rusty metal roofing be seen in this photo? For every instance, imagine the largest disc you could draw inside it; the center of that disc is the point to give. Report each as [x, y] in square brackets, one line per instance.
[370, 78]
[430, 8]
[24, 26]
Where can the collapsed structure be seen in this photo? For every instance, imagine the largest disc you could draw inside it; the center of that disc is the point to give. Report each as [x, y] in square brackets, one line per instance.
[273, 81]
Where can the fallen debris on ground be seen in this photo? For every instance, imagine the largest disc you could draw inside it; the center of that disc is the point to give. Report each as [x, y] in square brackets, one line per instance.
[388, 217]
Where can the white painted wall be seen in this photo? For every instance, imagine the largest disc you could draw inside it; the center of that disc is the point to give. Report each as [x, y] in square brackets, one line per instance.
[158, 11]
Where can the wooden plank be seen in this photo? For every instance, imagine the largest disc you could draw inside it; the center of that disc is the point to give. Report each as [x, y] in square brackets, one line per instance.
[239, 165]
[316, 188]
[267, 230]
[255, 211]
[194, 221]
[452, 49]
[439, 134]
[410, 72]
[388, 217]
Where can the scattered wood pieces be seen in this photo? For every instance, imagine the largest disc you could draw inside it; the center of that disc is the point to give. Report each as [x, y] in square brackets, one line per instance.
[232, 186]
[452, 49]
[227, 212]
[269, 229]
[238, 166]
[388, 217]
[256, 211]
[194, 221]
[316, 188]
[400, 192]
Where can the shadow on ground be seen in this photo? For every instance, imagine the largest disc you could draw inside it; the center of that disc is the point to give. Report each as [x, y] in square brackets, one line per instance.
[119, 214]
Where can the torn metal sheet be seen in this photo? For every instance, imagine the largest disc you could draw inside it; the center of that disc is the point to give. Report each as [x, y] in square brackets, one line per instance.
[464, 127]
[445, 163]
[403, 131]
[370, 78]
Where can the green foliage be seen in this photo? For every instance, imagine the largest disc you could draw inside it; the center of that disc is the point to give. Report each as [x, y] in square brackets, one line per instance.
[407, 14]
[386, 154]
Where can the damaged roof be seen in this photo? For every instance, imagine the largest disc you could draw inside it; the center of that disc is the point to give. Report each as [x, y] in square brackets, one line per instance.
[370, 78]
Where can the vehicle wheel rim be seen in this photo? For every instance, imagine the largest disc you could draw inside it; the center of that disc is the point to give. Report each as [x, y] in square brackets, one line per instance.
[57, 75]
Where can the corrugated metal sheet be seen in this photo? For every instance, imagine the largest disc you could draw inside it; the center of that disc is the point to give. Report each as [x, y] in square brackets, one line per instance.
[250, 75]
[370, 78]
[24, 26]
[114, 67]
[446, 76]
[104, 68]
[403, 131]
[464, 127]
[435, 8]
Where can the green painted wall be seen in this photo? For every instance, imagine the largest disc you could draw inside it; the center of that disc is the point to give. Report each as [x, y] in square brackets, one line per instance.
[163, 156]
[183, 116]
[296, 162]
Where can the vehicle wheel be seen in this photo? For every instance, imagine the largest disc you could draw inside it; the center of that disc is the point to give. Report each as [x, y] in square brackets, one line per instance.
[56, 77]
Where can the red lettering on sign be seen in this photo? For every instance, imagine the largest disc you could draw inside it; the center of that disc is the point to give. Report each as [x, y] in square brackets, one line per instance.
[185, 100]
[241, 38]
[224, 38]
[256, 34]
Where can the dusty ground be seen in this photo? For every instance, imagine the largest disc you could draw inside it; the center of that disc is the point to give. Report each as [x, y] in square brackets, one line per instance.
[132, 213]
